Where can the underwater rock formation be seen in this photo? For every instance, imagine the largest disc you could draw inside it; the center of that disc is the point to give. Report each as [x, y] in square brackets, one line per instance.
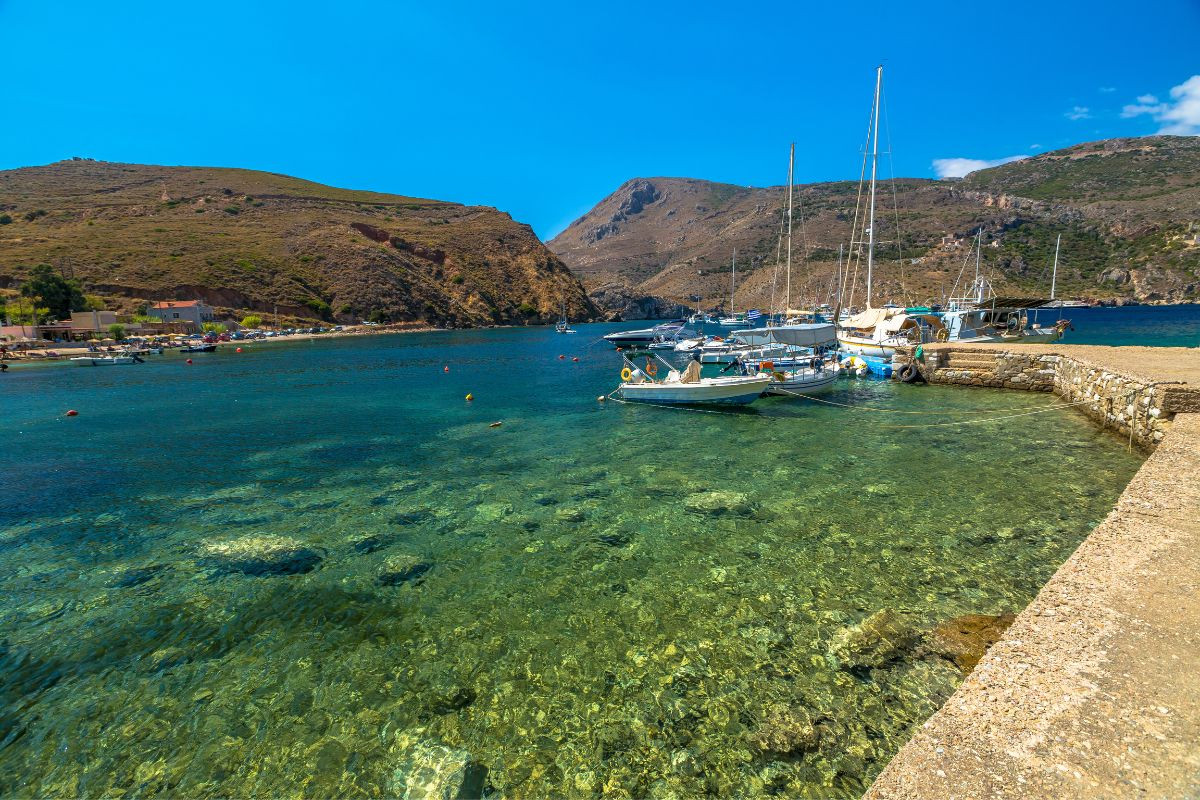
[878, 639]
[719, 502]
[435, 772]
[260, 555]
[784, 729]
[965, 639]
[401, 568]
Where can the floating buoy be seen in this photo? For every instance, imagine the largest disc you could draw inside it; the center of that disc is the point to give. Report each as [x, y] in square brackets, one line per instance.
[560, 358]
[601, 398]
[238, 350]
[445, 369]
[189, 361]
[495, 425]
[575, 358]
[470, 397]
[72, 413]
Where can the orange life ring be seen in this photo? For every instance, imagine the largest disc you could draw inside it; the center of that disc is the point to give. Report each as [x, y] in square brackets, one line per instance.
[651, 367]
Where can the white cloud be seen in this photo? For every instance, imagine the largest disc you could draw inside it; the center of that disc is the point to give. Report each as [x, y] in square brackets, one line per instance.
[1035, 147]
[1180, 116]
[1079, 112]
[958, 167]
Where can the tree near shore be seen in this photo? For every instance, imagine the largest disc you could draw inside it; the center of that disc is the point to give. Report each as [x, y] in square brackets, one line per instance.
[251, 321]
[213, 327]
[58, 294]
[116, 331]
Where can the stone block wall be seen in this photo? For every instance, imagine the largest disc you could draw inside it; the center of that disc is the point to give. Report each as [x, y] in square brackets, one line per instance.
[1117, 401]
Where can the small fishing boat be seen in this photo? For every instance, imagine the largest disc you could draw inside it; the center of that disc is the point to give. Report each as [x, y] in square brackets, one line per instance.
[687, 387]
[199, 348]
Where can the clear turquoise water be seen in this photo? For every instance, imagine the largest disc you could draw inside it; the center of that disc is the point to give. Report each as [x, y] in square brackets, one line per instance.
[1155, 326]
[594, 620]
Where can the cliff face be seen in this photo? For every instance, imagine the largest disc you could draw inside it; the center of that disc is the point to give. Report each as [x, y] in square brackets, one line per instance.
[1128, 211]
[253, 240]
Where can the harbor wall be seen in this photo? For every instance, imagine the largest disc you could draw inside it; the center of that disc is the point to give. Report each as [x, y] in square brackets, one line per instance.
[1094, 691]
[1118, 396]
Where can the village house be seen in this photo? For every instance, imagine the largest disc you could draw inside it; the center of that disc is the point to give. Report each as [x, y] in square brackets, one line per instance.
[187, 311]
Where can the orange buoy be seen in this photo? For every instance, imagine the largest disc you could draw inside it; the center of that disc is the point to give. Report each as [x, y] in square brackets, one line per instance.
[560, 358]
[470, 397]
[189, 361]
[445, 369]
[72, 413]
[575, 358]
[239, 350]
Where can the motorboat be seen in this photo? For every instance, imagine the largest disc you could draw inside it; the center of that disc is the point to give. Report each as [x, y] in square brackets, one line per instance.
[687, 387]
[643, 336]
[105, 361]
[199, 348]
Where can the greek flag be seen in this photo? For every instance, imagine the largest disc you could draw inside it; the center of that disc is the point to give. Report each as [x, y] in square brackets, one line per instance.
[753, 314]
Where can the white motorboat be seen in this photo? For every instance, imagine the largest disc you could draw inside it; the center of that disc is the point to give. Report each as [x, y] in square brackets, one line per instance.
[103, 361]
[643, 336]
[688, 387]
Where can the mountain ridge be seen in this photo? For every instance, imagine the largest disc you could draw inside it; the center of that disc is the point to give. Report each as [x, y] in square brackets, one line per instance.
[1128, 210]
[250, 240]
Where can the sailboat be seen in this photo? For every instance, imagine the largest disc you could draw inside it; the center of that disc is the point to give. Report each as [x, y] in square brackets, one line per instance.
[792, 353]
[562, 326]
[875, 333]
[735, 320]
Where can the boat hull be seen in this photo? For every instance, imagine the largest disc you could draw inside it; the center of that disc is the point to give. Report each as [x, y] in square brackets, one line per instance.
[806, 382]
[720, 391]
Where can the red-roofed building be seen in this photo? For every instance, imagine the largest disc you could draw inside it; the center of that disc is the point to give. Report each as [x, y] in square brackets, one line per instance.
[192, 311]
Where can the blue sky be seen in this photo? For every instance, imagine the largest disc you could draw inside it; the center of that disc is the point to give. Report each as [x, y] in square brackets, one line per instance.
[543, 109]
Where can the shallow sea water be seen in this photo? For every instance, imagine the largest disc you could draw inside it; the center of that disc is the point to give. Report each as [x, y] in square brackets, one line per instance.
[617, 596]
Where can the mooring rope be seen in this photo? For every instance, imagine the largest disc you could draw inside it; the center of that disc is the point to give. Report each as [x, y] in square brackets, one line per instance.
[613, 396]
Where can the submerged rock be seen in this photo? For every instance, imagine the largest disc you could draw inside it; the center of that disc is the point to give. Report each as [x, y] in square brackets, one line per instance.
[369, 544]
[784, 729]
[965, 639]
[401, 568]
[260, 555]
[873, 642]
[136, 576]
[719, 502]
[435, 772]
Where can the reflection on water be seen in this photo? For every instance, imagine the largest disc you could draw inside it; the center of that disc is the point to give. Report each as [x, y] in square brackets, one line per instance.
[314, 568]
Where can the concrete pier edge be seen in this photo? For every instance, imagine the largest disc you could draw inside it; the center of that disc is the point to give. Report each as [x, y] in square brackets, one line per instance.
[1094, 692]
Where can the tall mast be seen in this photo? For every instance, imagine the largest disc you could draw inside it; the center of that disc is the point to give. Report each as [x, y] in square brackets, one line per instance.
[978, 256]
[733, 284]
[1054, 274]
[787, 305]
[874, 168]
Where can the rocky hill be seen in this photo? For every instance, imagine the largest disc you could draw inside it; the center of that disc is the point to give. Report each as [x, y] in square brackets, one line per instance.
[1128, 211]
[240, 239]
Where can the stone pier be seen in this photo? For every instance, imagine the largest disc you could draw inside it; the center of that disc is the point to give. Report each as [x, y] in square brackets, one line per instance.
[1094, 692]
[1124, 388]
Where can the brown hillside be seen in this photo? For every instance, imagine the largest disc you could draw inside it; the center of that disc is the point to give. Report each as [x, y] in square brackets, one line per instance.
[241, 239]
[1128, 211]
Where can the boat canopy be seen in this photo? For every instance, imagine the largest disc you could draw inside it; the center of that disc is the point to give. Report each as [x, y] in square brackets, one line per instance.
[1014, 302]
[804, 335]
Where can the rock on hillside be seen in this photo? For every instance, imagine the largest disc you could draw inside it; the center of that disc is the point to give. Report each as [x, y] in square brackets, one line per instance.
[1128, 211]
[253, 240]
